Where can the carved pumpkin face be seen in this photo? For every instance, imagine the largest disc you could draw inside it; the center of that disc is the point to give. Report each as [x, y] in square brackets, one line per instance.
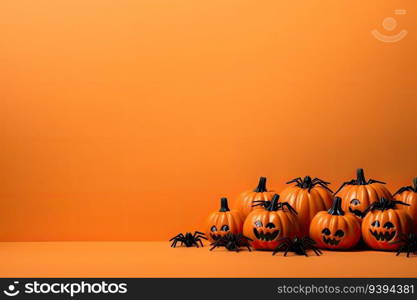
[245, 201]
[359, 193]
[408, 194]
[384, 224]
[222, 222]
[335, 229]
[308, 197]
[267, 226]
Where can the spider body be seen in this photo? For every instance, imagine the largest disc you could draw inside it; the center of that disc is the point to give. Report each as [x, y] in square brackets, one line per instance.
[299, 246]
[276, 206]
[188, 239]
[308, 183]
[232, 242]
[409, 244]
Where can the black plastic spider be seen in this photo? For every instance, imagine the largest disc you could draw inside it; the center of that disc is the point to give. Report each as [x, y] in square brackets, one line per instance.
[360, 180]
[232, 242]
[297, 245]
[274, 205]
[410, 244]
[412, 188]
[189, 239]
[308, 183]
[383, 204]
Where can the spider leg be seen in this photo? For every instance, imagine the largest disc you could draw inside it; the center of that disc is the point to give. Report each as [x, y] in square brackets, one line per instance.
[181, 240]
[179, 235]
[214, 246]
[303, 250]
[316, 250]
[289, 207]
[201, 243]
[286, 250]
[375, 181]
[403, 189]
[260, 203]
[296, 180]
[324, 186]
[198, 237]
[400, 250]
[318, 180]
[343, 185]
[282, 245]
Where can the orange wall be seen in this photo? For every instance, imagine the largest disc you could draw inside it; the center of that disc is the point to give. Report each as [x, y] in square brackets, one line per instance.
[127, 120]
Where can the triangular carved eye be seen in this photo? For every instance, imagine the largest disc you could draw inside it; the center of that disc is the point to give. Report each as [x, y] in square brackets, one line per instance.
[375, 223]
[258, 223]
[213, 228]
[326, 231]
[339, 233]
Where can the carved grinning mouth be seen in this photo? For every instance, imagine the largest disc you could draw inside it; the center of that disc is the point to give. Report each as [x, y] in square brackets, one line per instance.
[269, 236]
[383, 236]
[356, 212]
[331, 241]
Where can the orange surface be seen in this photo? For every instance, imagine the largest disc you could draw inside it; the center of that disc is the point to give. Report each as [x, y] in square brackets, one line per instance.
[129, 119]
[157, 259]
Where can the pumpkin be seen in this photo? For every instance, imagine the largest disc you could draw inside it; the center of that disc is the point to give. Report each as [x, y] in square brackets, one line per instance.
[408, 194]
[357, 194]
[246, 200]
[384, 224]
[266, 227]
[308, 197]
[222, 222]
[335, 229]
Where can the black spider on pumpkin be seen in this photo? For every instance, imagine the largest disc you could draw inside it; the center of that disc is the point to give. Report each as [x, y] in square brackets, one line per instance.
[360, 180]
[297, 245]
[277, 205]
[411, 188]
[232, 242]
[383, 204]
[308, 183]
[189, 239]
[410, 244]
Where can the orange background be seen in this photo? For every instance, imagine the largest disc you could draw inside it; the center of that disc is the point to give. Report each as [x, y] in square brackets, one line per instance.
[128, 120]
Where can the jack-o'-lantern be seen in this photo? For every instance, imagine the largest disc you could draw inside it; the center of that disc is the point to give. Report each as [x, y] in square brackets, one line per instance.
[384, 224]
[408, 194]
[335, 229]
[308, 197]
[246, 200]
[357, 194]
[265, 227]
[222, 222]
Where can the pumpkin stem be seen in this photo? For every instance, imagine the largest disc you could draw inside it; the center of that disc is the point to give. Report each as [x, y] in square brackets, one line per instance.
[415, 185]
[223, 205]
[307, 182]
[261, 188]
[274, 203]
[360, 177]
[336, 209]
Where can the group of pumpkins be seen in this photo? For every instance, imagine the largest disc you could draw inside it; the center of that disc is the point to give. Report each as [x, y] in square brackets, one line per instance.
[359, 209]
